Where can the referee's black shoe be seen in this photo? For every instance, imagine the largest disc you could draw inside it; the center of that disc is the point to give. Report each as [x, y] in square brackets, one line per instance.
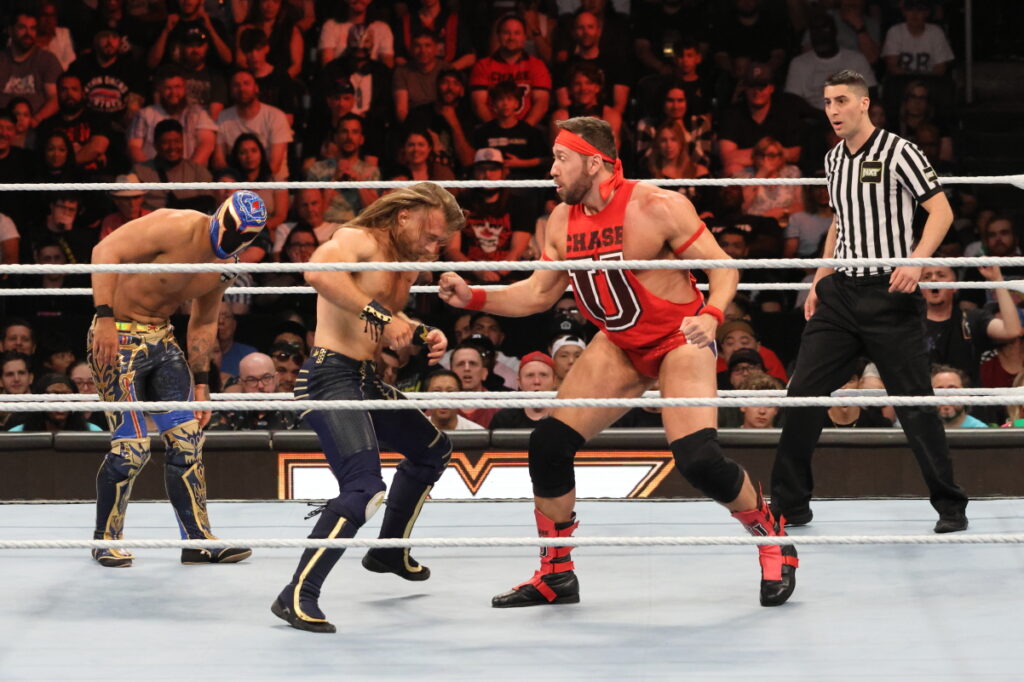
[800, 517]
[951, 522]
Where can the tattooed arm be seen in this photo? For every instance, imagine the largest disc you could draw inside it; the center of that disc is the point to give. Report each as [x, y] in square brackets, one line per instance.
[202, 335]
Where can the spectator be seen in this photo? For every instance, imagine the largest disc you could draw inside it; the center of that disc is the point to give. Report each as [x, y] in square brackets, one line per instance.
[683, 72]
[504, 367]
[325, 118]
[445, 24]
[113, 82]
[405, 369]
[808, 227]
[292, 333]
[288, 359]
[232, 351]
[170, 165]
[87, 131]
[54, 384]
[448, 419]
[198, 129]
[657, 26]
[567, 320]
[742, 362]
[998, 238]
[249, 115]
[957, 337]
[737, 239]
[738, 334]
[417, 160]
[760, 115]
[57, 356]
[615, 41]
[916, 46]
[10, 241]
[56, 162]
[309, 209]
[56, 308]
[27, 70]
[60, 225]
[522, 147]
[771, 201]
[954, 416]
[918, 111]
[675, 107]
[357, 30]
[808, 71]
[257, 374]
[536, 373]
[763, 416]
[587, 30]
[510, 62]
[14, 162]
[468, 365]
[191, 22]
[21, 113]
[856, 29]
[1005, 364]
[853, 416]
[498, 221]
[565, 351]
[540, 30]
[415, 82]
[346, 163]
[671, 155]
[447, 121]
[1015, 412]
[205, 84]
[16, 376]
[52, 37]
[585, 83]
[250, 157]
[749, 33]
[277, 88]
[81, 375]
[286, 44]
[19, 336]
[370, 79]
[127, 206]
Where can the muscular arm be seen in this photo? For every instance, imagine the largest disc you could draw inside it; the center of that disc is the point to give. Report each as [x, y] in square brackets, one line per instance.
[340, 288]
[202, 329]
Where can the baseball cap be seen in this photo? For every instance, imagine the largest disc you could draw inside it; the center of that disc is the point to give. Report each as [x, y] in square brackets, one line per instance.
[758, 75]
[537, 356]
[340, 86]
[489, 155]
[127, 177]
[564, 341]
[195, 35]
[745, 355]
[731, 326]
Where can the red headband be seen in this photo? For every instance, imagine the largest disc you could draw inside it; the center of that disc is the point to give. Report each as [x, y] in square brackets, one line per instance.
[578, 144]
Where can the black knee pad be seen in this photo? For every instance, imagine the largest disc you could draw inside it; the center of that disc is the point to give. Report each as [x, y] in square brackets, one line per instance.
[553, 447]
[700, 460]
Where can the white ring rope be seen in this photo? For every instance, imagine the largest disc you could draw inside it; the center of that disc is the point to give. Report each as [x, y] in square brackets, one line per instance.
[1014, 285]
[659, 541]
[1016, 180]
[517, 265]
[497, 403]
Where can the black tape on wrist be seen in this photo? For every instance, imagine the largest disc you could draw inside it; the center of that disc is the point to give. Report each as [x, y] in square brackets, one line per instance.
[202, 378]
[420, 335]
[104, 311]
[376, 317]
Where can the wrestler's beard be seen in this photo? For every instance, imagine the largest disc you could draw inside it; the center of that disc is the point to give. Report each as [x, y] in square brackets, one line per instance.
[407, 246]
[575, 193]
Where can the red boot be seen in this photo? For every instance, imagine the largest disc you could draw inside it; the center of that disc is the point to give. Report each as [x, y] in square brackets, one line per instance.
[555, 582]
[778, 562]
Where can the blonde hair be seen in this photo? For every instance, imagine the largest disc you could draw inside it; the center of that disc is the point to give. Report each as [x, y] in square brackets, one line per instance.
[684, 162]
[1015, 411]
[383, 213]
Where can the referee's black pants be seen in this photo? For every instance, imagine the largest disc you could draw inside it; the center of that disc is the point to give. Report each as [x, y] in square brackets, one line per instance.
[860, 317]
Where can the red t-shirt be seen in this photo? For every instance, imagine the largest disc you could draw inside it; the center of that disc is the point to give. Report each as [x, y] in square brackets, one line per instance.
[529, 73]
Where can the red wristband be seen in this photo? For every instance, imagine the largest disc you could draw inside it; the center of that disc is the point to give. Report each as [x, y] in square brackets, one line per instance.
[478, 299]
[713, 312]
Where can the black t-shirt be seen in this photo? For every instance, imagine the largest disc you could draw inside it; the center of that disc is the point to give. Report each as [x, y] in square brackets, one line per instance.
[754, 42]
[18, 166]
[280, 90]
[426, 117]
[521, 140]
[662, 28]
[80, 130]
[180, 30]
[206, 86]
[512, 418]
[489, 225]
[870, 418]
[960, 340]
[106, 88]
[782, 123]
[615, 70]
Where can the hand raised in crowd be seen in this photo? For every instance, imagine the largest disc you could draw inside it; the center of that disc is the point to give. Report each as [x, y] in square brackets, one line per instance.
[992, 273]
[104, 342]
[453, 290]
[699, 330]
[436, 343]
[904, 279]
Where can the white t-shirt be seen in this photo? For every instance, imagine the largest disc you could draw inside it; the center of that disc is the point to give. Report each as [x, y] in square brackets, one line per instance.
[269, 124]
[62, 47]
[809, 229]
[807, 73]
[376, 36]
[463, 424]
[8, 230]
[323, 232]
[917, 54]
[192, 119]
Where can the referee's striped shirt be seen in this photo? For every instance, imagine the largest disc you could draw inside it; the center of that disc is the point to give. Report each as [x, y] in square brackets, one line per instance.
[874, 194]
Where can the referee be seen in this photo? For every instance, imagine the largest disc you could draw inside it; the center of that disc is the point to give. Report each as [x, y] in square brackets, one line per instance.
[875, 182]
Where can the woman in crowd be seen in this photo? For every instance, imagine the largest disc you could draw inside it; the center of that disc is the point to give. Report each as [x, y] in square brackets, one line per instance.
[250, 158]
[586, 83]
[671, 156]
[771, 201]
[55, 384]
[417, 160]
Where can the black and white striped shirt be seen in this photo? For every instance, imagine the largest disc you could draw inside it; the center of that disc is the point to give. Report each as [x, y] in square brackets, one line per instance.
[874, 194]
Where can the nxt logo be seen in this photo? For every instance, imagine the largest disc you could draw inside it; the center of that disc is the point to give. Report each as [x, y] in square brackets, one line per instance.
[871, 171]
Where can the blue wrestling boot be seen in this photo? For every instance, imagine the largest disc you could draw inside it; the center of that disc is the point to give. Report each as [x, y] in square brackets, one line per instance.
[111, 558]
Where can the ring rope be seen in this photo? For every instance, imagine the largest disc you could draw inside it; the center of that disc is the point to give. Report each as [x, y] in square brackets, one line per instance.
[1016, 180]
[494, 403]
[1014, 285]
[517, 265]
[612, 541]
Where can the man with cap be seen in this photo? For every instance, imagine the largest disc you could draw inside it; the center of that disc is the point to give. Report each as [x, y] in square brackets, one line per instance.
[192, 24]
[536, 373]
[127, 204]
[506, 367]
[499, 222]
[743, 363]
[170, 165]
[134, 356]
[759, 114]
[86, 129]
[199, 132]
[565, 351]
[205, 81]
